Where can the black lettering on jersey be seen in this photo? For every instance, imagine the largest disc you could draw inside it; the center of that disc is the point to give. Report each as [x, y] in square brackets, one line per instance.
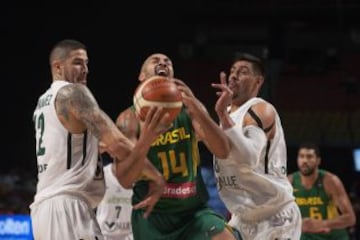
[42, 167]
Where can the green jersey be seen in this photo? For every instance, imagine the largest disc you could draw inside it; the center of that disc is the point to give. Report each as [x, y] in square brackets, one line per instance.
[315, 203]
[175, 154]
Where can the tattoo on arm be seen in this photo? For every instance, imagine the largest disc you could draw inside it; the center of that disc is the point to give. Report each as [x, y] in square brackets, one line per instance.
[76, 100]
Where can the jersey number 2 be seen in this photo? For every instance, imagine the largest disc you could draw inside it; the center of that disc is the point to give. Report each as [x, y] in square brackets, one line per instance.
[40, 127]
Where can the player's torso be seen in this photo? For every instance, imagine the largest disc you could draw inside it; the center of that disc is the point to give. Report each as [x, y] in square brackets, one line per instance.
[66, 162]
[264, 186]
[315, 203]
[175, 154]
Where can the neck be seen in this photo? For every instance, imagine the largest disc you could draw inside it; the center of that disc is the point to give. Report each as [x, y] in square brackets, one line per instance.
[237, 103]
[308, 181]
[234, 107]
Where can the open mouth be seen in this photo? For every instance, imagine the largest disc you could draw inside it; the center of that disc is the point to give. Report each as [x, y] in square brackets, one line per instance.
[161, 71]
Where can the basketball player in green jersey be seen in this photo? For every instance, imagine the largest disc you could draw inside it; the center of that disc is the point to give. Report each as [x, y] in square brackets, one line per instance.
[181, 212]
[324, 204]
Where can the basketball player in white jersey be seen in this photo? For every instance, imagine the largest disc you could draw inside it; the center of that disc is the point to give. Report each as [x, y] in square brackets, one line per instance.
[114, 211]
[252, 180]
[69, 127]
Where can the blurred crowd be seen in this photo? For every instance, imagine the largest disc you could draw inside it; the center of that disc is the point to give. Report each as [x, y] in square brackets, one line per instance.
[17, 188]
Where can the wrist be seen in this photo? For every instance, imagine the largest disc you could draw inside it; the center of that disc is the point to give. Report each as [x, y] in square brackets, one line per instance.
[222, 114]
[160, 181]
[225, 120]
[326, 224]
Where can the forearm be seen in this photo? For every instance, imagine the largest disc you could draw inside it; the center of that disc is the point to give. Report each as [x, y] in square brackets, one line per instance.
[209, 131]
[152, 174]
[340, 222]
[130, 167]
[225, 120]
[214, 137]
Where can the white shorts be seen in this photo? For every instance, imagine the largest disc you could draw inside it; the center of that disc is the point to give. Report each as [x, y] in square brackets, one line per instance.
[286, 225]
[64, 217]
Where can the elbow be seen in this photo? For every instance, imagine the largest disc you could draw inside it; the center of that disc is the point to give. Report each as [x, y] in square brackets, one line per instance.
[352, 220]
[223, 150]
[222, 156]
[125, 182]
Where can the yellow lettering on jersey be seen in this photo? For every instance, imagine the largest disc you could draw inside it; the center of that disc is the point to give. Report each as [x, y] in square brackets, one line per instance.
[171, 137]
[312, 201]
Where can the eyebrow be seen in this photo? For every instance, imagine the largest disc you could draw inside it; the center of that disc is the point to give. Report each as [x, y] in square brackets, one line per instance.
[240, 68]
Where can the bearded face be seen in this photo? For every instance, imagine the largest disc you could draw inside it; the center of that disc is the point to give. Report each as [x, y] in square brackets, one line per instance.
[307, 161]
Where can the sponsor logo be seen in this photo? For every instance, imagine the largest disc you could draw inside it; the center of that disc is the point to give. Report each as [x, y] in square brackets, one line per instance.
[176, 190]
[15, 226]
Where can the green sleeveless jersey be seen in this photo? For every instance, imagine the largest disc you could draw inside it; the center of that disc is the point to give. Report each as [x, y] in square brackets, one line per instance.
[315, 203]
[176, 155]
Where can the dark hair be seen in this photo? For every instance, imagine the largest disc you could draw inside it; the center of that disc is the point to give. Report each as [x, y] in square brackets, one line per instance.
[310, 145]
[257, 63]
[64, 47]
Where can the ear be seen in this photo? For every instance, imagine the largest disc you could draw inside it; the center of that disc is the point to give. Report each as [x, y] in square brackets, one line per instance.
[56, 65]
[319, 161]
[141, 77]
[56, 68]
[260, 80]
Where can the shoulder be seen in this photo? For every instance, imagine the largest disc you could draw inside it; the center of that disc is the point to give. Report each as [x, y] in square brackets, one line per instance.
[264, 109]
[331, 178]
[331, 181]
[290, 177]
[263, 114]
[75, 95]
[126, 115]
[71, 89]
[128, 123]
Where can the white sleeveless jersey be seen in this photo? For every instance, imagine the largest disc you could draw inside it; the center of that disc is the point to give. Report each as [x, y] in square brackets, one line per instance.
[114, 211]
[67, 163]
[254, 193]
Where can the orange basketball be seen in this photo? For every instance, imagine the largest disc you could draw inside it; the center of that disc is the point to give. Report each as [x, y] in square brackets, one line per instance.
[157, 91]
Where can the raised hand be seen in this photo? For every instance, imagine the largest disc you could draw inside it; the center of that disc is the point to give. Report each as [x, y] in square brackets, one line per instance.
[193, 105]
[224, 93]
[156, 123]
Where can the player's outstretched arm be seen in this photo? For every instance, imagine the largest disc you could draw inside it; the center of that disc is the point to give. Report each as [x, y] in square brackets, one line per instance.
[206, 128]
[78, 110]
[155, 124]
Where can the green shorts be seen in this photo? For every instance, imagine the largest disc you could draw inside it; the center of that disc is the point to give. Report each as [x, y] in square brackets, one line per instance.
[338, 234]
[199, 224]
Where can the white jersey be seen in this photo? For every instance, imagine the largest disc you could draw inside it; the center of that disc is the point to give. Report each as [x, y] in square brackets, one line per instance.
[254, 186]
[114, 211]
[68, 164]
